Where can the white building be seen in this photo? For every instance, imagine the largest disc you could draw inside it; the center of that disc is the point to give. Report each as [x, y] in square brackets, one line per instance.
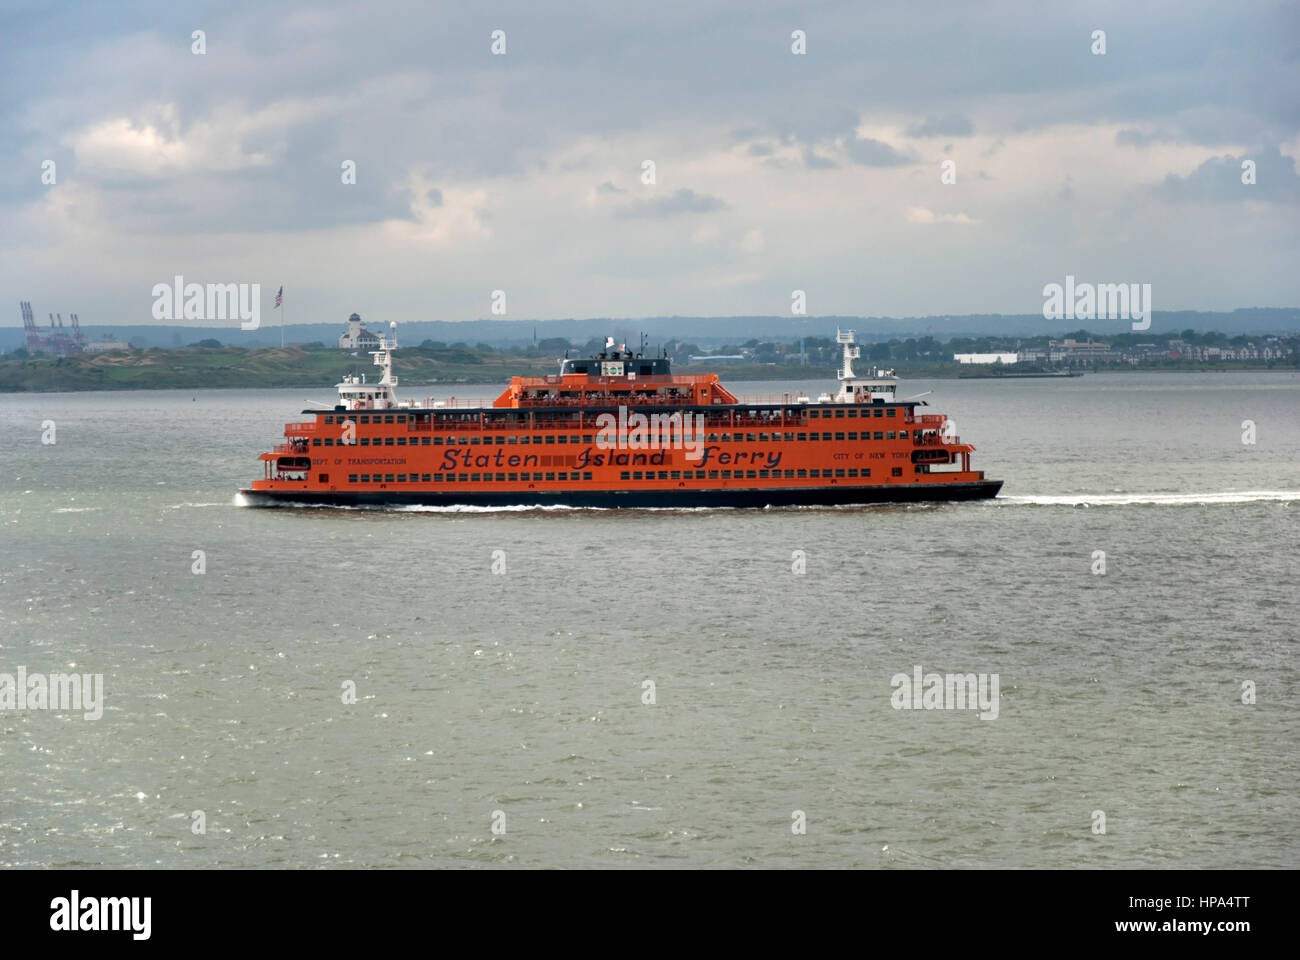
[984, 357]
[357, 337]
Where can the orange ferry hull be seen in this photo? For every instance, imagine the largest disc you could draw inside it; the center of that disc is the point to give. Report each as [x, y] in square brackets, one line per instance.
[637, 499]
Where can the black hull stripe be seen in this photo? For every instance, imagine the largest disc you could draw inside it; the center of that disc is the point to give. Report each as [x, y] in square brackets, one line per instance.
[634, 499]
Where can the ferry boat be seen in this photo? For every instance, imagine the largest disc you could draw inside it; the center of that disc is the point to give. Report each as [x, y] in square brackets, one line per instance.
[620, 429]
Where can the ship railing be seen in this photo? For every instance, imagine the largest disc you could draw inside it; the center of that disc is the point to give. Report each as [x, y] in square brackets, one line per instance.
[932, 419]
[298, 429]
[289, 448]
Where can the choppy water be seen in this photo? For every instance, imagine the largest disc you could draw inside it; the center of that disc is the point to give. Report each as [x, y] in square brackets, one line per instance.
[522, 692]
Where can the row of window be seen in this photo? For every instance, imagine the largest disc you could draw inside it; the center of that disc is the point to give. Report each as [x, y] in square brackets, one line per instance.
[839, 473]
[837, 412]
[494, 441]
[849, 472]
[466, 477]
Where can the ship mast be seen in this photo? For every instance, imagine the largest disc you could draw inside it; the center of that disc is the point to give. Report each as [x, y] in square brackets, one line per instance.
[851, 353]
[384, 360]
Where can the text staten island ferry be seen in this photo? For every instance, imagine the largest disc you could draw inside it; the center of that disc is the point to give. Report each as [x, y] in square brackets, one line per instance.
[620, 430]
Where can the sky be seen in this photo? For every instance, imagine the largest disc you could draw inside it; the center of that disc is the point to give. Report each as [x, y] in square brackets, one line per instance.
[524, 171]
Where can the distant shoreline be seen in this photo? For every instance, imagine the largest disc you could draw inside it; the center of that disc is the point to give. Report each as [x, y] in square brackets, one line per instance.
[294, 367]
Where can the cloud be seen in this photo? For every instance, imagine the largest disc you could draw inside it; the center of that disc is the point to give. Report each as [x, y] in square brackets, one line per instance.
[927, 216]
[949, 125]
[813, 161]
[683, 201]
[1219, 180]
[874, 153]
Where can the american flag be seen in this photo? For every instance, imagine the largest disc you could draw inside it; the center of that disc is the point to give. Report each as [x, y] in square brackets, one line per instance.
[279, 294]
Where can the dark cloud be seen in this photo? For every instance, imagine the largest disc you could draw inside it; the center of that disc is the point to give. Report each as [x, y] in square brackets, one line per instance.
[874, 153]
[949, 125]
[1219, 180]
[812, 161]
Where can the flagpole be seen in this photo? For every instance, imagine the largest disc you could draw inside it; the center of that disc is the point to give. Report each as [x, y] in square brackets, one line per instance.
[282, 318]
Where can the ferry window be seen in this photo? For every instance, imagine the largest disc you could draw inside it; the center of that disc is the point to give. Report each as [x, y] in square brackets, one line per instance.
[853, 435]
[789, 474]
[475, 477]
[512, 477]
[890, 412]
[388, 478]
[463, 441]
[511, 440]
[839, 473]
[763, 475]
[839, 436]
[752, 438]
[476, 440]
[585, 476]
[636, 474]
[575, 440]
[424, 478]
[364, 418]
[561, 439]
[437, 441]
[437, 478]
[424, 441]
[365, 441]
[839, 414]
[674, 475]
[501, 478]
[762, 438]
[550, 438]
[625, 475]
[401, 418]
[329, 419]
[902, 434]
[749, 474]
[588, 438]
[802, 437]
[877, 412]
[663, 474]
[550, 476]
[879, 435]
[388, 418]
[365, 478]
[699, 474]
[726, 474]
[801, 473]
[866, 472]
[388, 441]
[815, 474]
[853, 413]
[401, 478]
[401, 441]
[897, 471]
[889, 435]
[462, 477]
